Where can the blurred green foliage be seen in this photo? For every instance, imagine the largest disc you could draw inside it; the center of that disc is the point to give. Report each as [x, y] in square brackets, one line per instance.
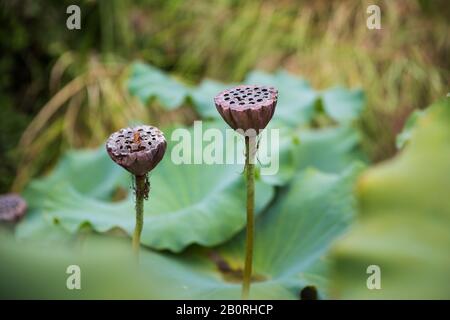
[73, 88]
[301, 209]
[71, 193]
[405, 220]
[182, 209]
[404, 66]
[291, 238]
[402, 228]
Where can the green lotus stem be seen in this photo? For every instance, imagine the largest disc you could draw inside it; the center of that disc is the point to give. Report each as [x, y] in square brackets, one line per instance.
[141, 189]
[138, 150]
[250, 174]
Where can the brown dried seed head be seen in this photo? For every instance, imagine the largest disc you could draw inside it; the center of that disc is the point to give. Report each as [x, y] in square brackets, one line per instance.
[247, 106]
[12, 207]
[137, 149]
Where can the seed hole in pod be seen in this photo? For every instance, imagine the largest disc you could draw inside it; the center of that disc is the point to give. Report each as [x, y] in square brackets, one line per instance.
[250, 99]
[232, 102]
[226, 94]
[140, 129]
[264, 89]
[226, 99]
[252, 102]
[259, 100]
[241, 103]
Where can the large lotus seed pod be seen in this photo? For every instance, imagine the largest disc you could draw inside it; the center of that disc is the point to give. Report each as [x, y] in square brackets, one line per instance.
[247, 106]
[12, 207]
[137, 149]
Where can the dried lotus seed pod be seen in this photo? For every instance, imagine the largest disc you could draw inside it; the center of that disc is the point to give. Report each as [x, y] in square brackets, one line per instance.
[12, 207]
[247, 106]
[137, 149]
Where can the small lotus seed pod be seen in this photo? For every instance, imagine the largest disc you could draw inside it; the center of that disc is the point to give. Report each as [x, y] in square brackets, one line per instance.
[137, 149]
[12, 207]
[247, 106]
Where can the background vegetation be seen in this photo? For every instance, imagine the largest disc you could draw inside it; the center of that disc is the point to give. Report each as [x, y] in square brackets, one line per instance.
[363, 172]
[66, 82]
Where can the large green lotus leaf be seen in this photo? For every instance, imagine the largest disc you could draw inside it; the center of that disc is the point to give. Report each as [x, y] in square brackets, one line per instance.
[108, 271]
[296, 103]
[343, 105]
[405, 220]
[275, 151]
[296, 97]
[41, 270]
[283, 151]
[89, 173]
[291, 240]
[41, 227]
[326, 149]
[203, 204]
[203, 97]
[273, 144]
[148, 82]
